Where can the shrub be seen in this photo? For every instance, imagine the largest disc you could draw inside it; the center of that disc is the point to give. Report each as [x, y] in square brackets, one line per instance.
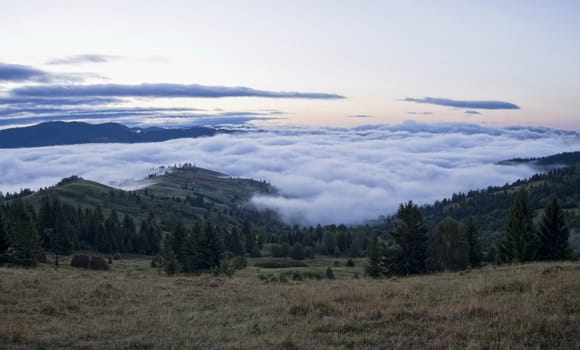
[349, 263]
[41, 257]
[330, 274]
[297, 252]
[239, 262]
[279, 263]
[80, 261]
[117, 256]
[299, 275]
[98, 263]
[110, 260]
[280, 250]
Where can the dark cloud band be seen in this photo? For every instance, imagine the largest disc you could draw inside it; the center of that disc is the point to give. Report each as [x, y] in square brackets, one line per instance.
[463, 104]
[160, 91]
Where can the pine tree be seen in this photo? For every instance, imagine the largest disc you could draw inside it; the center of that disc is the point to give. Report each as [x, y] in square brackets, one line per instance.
[170, 263]
[373, 268]
[23, 234]
[4, 244]
[249, 237]
[410, 235]
[519, 241]
[178, 239]
[235, 244]
[553, 233]
[449, 248]
[471, 234]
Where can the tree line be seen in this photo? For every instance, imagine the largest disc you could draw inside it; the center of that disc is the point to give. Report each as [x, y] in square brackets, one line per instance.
[61, 228]
[456, 246]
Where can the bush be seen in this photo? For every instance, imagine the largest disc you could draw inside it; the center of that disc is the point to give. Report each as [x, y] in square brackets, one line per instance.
[280, 250]
[117, 256]
[110, 260]
[239, 262]
[299, 275]
[349, 263]
[156, 261]
[279, 263]
[80, 261]
[98, 263]
[297, 252]
[255, 253]
[41, 257]
[330, 274]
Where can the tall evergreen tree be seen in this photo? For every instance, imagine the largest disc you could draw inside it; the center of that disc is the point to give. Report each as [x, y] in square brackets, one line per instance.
[209, 248]
[170, 263]
[410, 235]
[553, 233]
[234, 244]
[449, 248]
[23, 234]
[471, 234]
[178, 239]
[249, 237]
[519, 241]
[4, 244]
[374, 268]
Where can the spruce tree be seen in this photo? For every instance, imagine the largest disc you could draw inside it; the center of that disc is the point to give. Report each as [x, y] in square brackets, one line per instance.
[249, 237]
[449, 248]
[178, 239]
[553, 233]
[519, 241]
[235, 244]
[170, 263]
[4, 244]
[373, 268]
[471, 234]
[23, 234]
[410, 235]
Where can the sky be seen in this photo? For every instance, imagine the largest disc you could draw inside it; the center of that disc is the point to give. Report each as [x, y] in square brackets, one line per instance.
[322, 63]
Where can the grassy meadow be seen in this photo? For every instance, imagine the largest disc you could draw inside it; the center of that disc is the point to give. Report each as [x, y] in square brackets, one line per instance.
[132, 306]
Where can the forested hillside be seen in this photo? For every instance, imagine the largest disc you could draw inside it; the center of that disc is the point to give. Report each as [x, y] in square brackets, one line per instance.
[490, 207]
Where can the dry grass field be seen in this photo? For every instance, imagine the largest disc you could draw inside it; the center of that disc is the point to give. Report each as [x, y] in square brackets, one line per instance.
[533, 306]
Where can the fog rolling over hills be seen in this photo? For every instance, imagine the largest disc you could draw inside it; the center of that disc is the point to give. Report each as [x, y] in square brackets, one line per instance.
[324, 175]
[70, 133]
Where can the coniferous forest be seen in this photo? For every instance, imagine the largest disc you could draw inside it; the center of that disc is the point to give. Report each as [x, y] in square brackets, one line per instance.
[522, 222]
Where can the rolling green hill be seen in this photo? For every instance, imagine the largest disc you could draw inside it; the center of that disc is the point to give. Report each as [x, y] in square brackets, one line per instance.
[185, 191]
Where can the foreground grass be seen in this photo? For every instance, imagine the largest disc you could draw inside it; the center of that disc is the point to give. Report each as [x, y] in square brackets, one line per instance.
[525, 306]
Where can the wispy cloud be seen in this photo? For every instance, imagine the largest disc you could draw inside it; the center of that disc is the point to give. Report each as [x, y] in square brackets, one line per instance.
[420, 113]
[471, 112]
[21, 73]
[160, 90]
[361, 116]
[80, 59]
[462, 103]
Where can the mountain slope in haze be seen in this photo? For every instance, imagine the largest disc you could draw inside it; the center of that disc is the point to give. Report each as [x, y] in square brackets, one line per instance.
[70, 133]
[555, 161]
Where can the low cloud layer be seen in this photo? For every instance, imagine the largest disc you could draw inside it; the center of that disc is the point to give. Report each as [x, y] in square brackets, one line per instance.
[160, 91]
[463, 104]
[325, 175]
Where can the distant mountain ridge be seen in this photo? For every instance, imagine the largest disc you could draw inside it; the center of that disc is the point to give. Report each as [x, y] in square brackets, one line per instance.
[71, 133]
[554, 161]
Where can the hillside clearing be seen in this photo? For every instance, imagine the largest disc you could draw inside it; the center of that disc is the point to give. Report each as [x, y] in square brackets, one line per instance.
[524, 306]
